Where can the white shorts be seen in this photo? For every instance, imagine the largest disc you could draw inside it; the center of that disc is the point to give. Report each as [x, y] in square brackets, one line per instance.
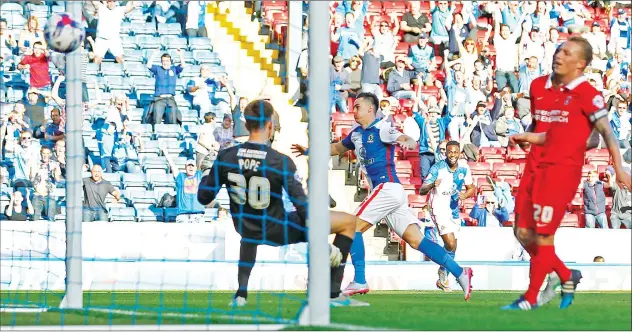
[103, 45]
[445, 222]
[388, 201]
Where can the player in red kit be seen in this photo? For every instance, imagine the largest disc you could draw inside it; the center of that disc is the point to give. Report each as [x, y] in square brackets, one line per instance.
[572, 109]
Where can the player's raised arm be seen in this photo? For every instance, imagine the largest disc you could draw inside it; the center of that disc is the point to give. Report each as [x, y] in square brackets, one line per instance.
[336, 149]
[622, 177]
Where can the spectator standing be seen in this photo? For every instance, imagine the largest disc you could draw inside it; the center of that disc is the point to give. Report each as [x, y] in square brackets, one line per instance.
[30, 35]
[196, 13]
[422, 56]
[349, 43]
[224, 134]
[54, 130]
[399, 83]
[44, 174]
[441, 23]
[482, 128]
[620, 120]
[204, 89]
[527, 73]
[59, 155]
[594, 201]
[96, 189]
[507, 55]
[109, 28]
[206, 146]
[620, 30]
[164, 103]
[510, 14]
[621, 208]
[550, 46]
[370, 72]
[354, 70]
[240, 132]
[23, 155]
[414, 22]
[125, 154]
[432, 132]
[340, 82]
[189, 208]
[7, 41]
[16, 210]
[36, 61]
[385, 40]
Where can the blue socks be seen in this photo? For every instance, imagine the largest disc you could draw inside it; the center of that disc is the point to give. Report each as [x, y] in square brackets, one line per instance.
[440, 256]
[452, 255]
[358, 258]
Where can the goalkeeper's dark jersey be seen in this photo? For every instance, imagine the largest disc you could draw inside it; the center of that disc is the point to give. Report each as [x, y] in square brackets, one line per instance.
[255, 175]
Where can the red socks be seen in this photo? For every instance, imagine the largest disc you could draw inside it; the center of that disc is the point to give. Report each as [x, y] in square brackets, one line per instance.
[559, 267]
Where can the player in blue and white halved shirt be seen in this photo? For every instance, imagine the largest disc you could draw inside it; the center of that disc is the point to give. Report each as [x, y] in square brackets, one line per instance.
[374, 144]
[445, 181]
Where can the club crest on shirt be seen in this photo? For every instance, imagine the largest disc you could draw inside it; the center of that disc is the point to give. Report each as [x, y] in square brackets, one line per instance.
[598, 101]
[370, 138]
[171, 72]
[460, 176]
[567, 100]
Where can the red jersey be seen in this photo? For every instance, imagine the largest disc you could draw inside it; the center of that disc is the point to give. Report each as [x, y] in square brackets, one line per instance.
[576, 107]
[541, 96]
[39, 70]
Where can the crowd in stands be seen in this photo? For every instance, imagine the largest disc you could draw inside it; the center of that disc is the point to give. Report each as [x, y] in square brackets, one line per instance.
[151, 83]
[461, 70]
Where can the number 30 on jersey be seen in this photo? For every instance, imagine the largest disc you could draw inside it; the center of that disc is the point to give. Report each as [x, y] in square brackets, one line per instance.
[543, 213]
[258, 191]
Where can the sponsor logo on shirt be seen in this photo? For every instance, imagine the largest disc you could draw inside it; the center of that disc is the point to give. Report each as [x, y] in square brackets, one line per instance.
[552, 116]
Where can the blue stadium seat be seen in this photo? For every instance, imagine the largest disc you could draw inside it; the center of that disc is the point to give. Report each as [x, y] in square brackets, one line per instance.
[10, 7]
[169, 28]
[126, 28]
[174, 42]
[150, 163]
[206, 56]
[113, 178]
[151, 214]
[167, 130]
[92, 69]
[111, 69]
[147, 28]
[118, 83]
[134, 180]
[126, 214]
[143, 83]
[171, 214]
[191, 71]
[190, 130]
[135, 115]
[58, 8]
[162, 181]
[189, 116]
[148, 42]
[187, 55]
[137, 69]
[141, 198]
[136, 16]
[150, 146]
[128, 42]
[200, 43]
[210, 214]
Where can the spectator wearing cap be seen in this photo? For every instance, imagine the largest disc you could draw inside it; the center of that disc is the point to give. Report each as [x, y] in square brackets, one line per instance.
[594, 201]
[399, 83]
[370, 72]
[166, 75]
[187, 182]
[527, 73]
[482, 128]
[349, 43]
[386, 40]
[224, 133]
[620, 31]
[507, 57]
[510, 14]
[432, 133]
[621, 208]
[598, 41]
[531, 44]
[422, 56]
[96, 189]
[487, 211]
[414, 22]
[339, 83]
[441, 22]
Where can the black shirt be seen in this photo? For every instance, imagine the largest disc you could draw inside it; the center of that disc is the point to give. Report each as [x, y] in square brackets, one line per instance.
[255, 175]
[412, 22]
[17, 216]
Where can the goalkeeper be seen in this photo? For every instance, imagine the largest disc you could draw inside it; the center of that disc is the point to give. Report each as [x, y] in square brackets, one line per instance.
[255, 175]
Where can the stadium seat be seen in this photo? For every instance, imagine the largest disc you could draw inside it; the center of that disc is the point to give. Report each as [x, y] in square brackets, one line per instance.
[505, 170]
[417, 200]
[141, 198]
[167, 131]
[150, 214]
[515, 153]
[479, 168]
[162, 181]
[113, 178]
[135, 180]
[597, 157]
[170, 214]
[126, 214]
[173, 29]
[200, 43]
[570, 220]
[491, 154]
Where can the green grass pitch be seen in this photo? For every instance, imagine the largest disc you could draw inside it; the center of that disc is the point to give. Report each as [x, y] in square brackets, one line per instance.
[419, 310]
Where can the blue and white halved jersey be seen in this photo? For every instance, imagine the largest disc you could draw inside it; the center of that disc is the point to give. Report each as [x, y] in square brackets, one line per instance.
[445, 196]
[374, 147]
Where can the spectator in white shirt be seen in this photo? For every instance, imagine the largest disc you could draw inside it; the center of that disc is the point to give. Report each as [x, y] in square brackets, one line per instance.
[531, 45]
[620, 31]
[109, 28]
[619, 119]
[598, 41]
[550, 47]
[507, 57]
[195, 26]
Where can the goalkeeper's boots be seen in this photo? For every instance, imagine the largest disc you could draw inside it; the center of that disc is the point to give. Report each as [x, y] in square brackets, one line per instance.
[548, 294]
[355, 288]
[442, 282]
[237, 301]
[335, 256]
[520, 304]
[568, 289]
[344, 301]
[466, 282]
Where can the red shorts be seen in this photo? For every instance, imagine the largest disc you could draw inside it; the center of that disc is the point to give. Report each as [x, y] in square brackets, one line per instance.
[524, 207]
[554, 188]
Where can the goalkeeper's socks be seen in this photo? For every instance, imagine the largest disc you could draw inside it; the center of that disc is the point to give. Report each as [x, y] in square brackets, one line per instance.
[343, 243]
[358, 258]
[440, 256]
[451, 253]
[248, 253]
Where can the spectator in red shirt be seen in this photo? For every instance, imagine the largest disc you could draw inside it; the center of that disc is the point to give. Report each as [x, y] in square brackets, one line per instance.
[36, 60]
